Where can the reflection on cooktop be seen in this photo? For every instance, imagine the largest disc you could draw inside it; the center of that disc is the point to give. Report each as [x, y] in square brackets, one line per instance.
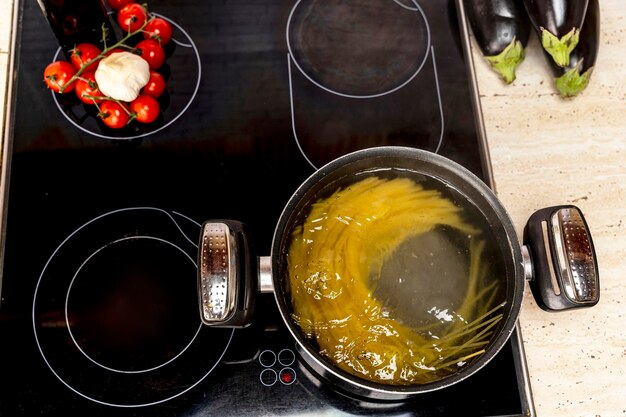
[355, 49]
[131, 307]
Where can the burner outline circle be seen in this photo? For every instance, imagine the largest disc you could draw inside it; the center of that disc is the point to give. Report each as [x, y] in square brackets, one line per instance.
[268, 371]
[266, 352]
[191, 44]
[69, 327]
[34, 321]
[362, 96]
[291, 360]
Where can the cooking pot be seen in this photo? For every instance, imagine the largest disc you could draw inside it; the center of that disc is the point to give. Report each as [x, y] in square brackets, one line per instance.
[557, 258]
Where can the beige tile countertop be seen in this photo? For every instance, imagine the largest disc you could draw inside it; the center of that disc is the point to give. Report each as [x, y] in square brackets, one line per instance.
[547, 151]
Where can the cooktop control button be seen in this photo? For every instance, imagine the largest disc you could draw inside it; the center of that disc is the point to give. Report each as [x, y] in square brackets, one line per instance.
[267, 358]
[268, 377]
[287, 376]
[286, 357]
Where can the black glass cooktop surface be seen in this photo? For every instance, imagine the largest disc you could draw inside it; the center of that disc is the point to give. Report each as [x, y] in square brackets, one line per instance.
[98, 314]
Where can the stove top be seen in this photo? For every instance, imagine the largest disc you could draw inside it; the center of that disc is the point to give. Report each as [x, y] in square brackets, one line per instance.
[98, 311]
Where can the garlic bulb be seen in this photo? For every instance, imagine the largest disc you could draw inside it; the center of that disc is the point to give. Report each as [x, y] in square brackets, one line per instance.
[122, 75]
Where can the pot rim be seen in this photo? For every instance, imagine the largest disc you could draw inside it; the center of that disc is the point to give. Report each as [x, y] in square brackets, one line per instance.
[379, 390]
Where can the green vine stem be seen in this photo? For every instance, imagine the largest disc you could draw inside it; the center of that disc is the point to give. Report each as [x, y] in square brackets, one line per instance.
[106, 50]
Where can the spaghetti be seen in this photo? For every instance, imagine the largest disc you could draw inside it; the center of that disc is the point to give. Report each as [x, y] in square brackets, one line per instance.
[345, 240]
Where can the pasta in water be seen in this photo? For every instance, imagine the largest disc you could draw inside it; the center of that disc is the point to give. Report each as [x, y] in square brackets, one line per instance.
[332, 257]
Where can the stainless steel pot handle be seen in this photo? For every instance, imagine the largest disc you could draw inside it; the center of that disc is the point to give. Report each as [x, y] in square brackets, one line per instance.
[227, 271]
[266, 283]
[564, 264]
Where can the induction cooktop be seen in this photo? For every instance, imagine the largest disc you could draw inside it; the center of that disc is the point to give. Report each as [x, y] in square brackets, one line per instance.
[98, 311]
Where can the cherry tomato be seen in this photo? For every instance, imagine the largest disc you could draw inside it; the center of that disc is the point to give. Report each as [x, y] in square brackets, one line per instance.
[87, 86]
[132, 17]
[58, 74]
[159, 30]
[152, 52]
[146, 108]
[155, 86]
[118, 4]
[83, 53]
[113, 114]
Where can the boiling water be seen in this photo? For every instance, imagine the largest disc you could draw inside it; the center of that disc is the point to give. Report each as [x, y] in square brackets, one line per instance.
[433, 270]
[425, 280]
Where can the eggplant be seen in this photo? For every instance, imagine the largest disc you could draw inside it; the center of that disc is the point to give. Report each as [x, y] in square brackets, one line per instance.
[501, 29]
[573, 79]
[558, 24]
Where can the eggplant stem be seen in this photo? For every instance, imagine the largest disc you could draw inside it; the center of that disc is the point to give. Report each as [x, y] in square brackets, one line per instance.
[507, 61]
[573, 82]
[560, 49]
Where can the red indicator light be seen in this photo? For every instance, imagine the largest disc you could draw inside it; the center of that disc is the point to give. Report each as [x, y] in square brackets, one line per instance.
[287, 377]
